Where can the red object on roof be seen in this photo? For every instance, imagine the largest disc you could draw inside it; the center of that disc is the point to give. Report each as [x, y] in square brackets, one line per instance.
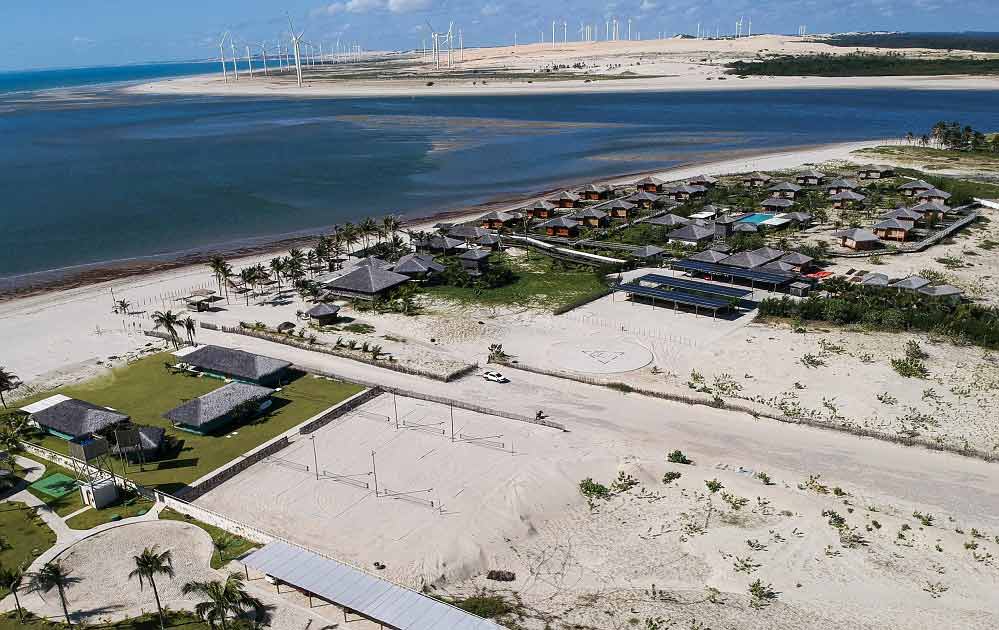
[818, 275]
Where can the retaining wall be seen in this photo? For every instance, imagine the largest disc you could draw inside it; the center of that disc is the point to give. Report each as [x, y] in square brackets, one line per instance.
[345, 407]
[230, 470]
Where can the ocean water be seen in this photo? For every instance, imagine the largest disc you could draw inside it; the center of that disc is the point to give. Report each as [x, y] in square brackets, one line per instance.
[88, 181]
[33, 80]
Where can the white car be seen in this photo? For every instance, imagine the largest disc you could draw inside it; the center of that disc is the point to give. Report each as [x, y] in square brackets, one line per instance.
[495, 377]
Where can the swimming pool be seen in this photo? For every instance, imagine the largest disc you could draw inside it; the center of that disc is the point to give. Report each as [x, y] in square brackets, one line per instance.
[756, 218]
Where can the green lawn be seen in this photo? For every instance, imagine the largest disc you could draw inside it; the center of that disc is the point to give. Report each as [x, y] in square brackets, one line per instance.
[125, 507]
[176, 620]
[23, 535]
[240, 545]
[146, 389]
[540, 283]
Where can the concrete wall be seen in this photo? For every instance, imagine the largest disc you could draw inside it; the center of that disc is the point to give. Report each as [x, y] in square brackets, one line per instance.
[227, 472]
[346, 406]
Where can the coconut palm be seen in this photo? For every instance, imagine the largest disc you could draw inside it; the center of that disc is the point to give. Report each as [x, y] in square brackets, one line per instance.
[13, 429]
[53, 576]
[11, 579]
[323, 248]
[223, 543]
[249, 278]
[391, 225]
[222, 271]
[150, 564]
[278, 267]
[368, 228]
[122, 306]
[224, 600]
[8, 383]
[191, 327]
[169, 321]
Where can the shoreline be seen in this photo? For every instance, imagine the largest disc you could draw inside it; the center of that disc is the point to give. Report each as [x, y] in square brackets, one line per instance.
[108, 273]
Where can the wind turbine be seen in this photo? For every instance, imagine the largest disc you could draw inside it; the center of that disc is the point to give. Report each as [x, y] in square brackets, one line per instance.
[235, 59]
[249, 59]
[225, 75]
[263, 51]
[296, 41]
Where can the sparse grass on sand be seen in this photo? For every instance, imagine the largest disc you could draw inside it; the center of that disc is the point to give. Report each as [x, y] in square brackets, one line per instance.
[25, 536]
[147, 389]
[539, 282]
[175, 620]
[934, 159]
[239, 547]
[124, 507]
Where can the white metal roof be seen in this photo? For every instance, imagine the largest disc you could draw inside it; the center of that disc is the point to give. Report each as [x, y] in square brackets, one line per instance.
[186, 350]
[51, 401]
[360, 591]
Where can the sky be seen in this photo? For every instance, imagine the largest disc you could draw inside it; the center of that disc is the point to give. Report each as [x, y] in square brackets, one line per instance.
[75, 33]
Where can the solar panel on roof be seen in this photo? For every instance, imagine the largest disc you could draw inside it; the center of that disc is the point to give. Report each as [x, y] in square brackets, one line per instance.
[678, 297]
[766, 277]
[693, 285]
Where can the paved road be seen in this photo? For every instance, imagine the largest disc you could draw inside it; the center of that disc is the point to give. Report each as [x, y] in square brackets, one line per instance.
[909, 477]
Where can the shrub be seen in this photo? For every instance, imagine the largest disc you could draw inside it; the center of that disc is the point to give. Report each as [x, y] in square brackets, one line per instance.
[671, 476]
[910, 368]
[761, 594]
[677, 457]
[593, 490]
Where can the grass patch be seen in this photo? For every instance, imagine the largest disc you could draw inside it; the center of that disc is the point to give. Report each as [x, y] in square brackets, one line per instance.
[539, 282]
[64, 505]
[240, 544]
[178, 620]
[928, 156]
[127, 506]
[146, 389]
[24, 536]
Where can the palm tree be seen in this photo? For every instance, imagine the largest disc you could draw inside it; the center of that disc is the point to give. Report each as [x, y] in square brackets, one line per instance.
[122, 306]
[391, 225]
[8, 383]
[225, 599]
[222, 271]
[192, 329]
[169, 321]
[278, 267]
[53, 576]
[148, 565]
[249, 278]
[368, 229]
[11, 579]
[223, 543]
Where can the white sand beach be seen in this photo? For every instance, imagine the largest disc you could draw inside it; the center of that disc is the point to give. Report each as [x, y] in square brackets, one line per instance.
[621, 66]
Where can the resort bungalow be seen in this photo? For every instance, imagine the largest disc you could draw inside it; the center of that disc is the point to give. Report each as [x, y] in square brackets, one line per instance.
[930, 211]
[475, 261]
[753, 259]
[467, 232]
[797, 261]
[943, 292]
[568, 200]
[442, 244]
[147, 446]
[323, 314]
[594, 192]
[541, 210]
[912, 283]
[650, 185]
[686, 192]
[692, 234]
[725, 224]
[809, 178]
[776, 204]
[365, 283]
[68, 418]
[874, 280]
[837, 186]
[648, 253]
[642, 199]
[669, 220]
[875, 172]
[756, 180]
[497, 220]
[562, 226]
[913, 188]
[709, 256]
[801, 219]
[893, 230]
[857, 239]
[215, 410]
[933, 195]
[237, 364]
[621, 209]
[591, 217]
[846, 199]
[903, 214]
[490, 241]
[743, 227]
[784, 189]
[702, 180]
[418, 266]
[372, 261]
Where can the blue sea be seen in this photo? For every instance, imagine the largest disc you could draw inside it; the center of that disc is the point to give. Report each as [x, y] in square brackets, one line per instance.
[95, 177]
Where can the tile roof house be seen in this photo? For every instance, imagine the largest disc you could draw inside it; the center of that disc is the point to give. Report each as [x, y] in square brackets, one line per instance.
[212, 411]
[69, 418]
[619, 209]
[933, 195]
[776, 204]
[417, 266]
[467, 232]
[685, 192]
[874, 280]
[709, 255]
[443, 244]
[541, 210]
[912, 283]
[702, 180]
[756, 180]
[365, 283]
[915, 187]
[474, 261]
[809, 178]
[561, 226]
[797, 260]
[754, 258]
[943, 291]
[692, 233]
[643, 199]
[238, 364]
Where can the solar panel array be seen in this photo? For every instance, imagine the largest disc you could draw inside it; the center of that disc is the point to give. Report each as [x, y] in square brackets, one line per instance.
[366, 594]
[677, 297]
[694, 285]
[766, 277]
